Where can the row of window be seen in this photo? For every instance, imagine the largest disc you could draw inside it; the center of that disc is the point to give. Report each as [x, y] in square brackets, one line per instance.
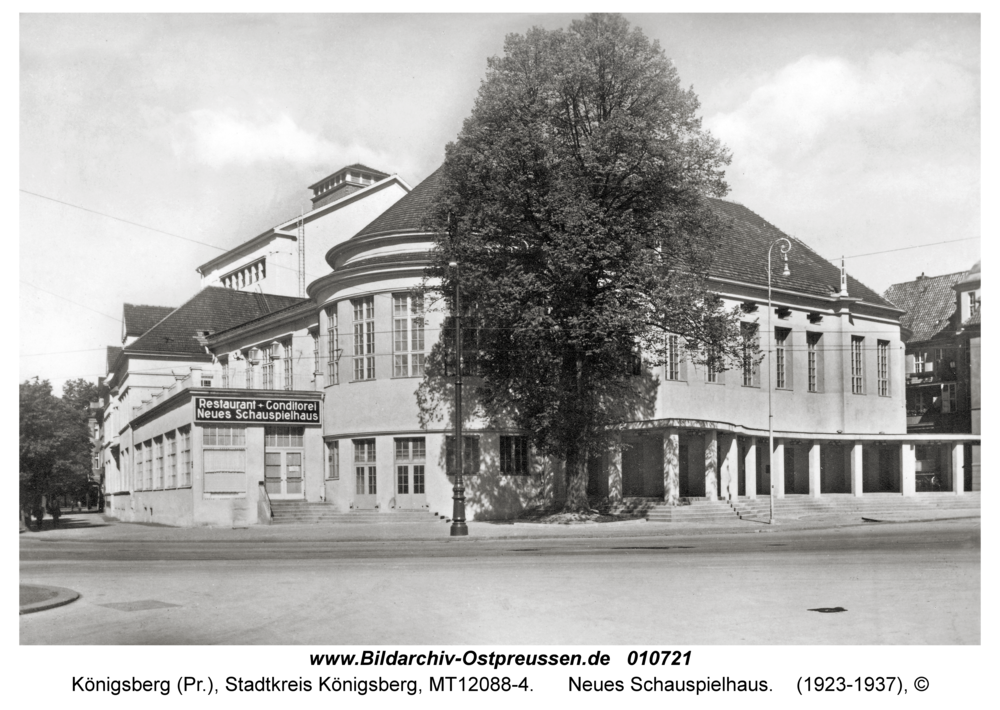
[162, 462]
[246, 275]
[411, 453]
[260, 368]
[407, 339]
[921, 400]
[782, 361]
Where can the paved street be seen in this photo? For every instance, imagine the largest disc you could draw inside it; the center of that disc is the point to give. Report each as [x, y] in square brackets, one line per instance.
[911, 583]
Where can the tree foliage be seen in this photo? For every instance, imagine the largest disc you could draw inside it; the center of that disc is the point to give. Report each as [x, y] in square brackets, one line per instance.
[574, 202]
[54, 445]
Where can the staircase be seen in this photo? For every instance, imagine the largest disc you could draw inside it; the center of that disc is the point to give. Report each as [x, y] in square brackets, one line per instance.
[870, 506]
[300, 512]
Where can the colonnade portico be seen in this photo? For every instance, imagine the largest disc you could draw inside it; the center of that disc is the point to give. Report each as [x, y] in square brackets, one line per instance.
[729, 462]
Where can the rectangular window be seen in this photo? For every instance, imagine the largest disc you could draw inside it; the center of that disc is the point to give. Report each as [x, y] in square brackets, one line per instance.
[267, 372]
[147, 465]
[333, 460]
[224, 435]
[751, 368]
[364, 467]
[137, 475]
[283, 437]
[514, 456]
[333, 346]
[713, 364]
[857, 364]
[315, 339]
[224, 459]
[364, 338]
[883, 368]
[949, 398]
[813, 346]
[919, 361]
[248, 370]
[185, 462]
[158, 462]
[225, 372]
[672, 368]
[411, 454]
[781, 359]
[470, 455]
[286, 363]
[171, 442]
[407, 336]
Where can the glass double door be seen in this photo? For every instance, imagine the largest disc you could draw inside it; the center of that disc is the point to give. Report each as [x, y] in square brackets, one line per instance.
[283, 474]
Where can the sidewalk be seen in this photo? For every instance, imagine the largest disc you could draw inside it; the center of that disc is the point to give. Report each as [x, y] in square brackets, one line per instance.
[93, 527]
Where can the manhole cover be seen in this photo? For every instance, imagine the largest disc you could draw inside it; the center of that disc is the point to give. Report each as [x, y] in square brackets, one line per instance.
[143, 605]
[828, 609]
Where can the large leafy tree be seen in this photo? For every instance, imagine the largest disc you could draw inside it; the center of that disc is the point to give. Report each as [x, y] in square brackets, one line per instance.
[574, 204]
[54, 445]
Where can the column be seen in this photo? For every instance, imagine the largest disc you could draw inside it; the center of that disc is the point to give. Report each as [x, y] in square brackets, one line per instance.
[908, 469]
[778, 469]
[730, 469]
[856, 467]
[957, 460]
[671, 467]
[711, 464]
[615, 471]
[815, 452]
[750, 468]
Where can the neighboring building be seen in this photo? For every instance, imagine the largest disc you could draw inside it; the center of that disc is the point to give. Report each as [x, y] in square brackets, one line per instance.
[942, 323]
[237, 399]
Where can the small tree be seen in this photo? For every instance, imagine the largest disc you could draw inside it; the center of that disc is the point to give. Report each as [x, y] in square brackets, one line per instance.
[573, 200]
[54, 446]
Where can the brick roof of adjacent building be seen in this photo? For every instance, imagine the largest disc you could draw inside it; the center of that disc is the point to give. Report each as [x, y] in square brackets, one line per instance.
[113, 353]
[929, 302]
[212, 309]
[138, 318]
[740, 256]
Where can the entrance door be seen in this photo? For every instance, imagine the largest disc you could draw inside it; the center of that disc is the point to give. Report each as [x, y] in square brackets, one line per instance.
[411, 457]
[365, 481]
[283, 474]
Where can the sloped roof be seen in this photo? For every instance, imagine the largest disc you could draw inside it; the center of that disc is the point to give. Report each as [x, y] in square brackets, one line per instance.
[211, 309]
[929, 302]
[741, 254]
[113, 353]
[408, 214]
[138, 319]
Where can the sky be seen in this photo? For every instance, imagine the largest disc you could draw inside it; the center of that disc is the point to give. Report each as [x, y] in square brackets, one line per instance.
[182, 136]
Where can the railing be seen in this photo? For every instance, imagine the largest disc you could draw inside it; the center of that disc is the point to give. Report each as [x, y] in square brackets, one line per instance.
[264, 513]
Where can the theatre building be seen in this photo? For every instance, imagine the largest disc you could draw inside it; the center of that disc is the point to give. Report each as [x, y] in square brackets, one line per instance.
[255, 396]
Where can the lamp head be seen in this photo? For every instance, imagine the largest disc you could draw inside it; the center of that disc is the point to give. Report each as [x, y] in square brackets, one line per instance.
[785, 271]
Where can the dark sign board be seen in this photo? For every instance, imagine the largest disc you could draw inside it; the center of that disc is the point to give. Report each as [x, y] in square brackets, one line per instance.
[247, 410]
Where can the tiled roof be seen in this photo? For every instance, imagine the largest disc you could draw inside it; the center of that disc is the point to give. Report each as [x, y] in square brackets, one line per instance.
[138, 319]
[929, 302]
[211, 309]
[741, 254]
[113, 352]
[409, 213]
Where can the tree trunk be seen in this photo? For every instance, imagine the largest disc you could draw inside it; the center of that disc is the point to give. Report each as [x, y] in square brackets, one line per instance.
[576, 482]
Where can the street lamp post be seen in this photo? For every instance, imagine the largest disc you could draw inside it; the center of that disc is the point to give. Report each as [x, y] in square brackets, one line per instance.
[785, 247]
[458, 526]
